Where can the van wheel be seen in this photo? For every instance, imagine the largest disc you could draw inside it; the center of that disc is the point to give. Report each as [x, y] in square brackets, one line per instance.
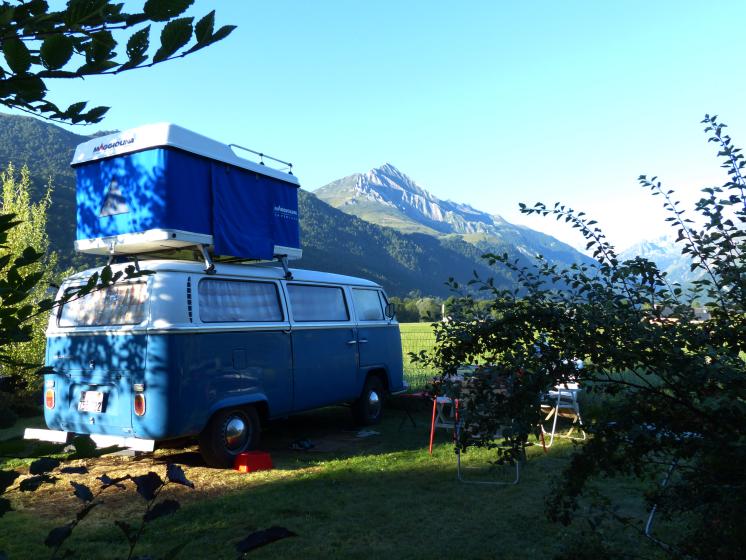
[229, 432]
[368, 409]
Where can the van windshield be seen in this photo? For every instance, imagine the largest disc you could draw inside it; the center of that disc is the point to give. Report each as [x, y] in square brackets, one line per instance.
[119, 304]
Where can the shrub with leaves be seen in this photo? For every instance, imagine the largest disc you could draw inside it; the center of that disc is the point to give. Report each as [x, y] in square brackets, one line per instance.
[26, 357]
[85, 39]
[673, 387]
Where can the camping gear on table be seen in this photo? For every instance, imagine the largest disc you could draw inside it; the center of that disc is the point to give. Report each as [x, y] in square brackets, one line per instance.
[161, 187]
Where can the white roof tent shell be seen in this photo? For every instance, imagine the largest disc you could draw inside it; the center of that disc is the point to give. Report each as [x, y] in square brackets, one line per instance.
[166, 135]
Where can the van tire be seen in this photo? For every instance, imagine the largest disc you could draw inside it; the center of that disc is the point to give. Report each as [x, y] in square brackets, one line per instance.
[229, 432]
[368, 409]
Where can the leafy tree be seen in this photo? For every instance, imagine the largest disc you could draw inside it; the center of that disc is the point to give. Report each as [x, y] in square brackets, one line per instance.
[673, 387]
[79, 41]
[24, 358]
[83, 40]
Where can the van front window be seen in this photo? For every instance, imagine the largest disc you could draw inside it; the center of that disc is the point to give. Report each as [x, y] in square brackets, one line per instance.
[118, 304]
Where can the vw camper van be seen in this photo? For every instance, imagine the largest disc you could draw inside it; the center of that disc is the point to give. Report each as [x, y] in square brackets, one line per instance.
[185, 352]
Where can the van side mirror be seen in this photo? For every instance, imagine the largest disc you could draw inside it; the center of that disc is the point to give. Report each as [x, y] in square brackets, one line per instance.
[390, 310]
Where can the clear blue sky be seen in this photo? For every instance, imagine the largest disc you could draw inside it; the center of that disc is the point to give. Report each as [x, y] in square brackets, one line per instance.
[490, 103]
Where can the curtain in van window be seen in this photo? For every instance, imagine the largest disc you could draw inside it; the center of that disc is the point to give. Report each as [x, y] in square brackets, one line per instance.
[317, 303]
[222, 301]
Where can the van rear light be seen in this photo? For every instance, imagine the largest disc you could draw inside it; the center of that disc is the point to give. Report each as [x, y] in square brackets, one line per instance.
[49, 398]
[139, 404]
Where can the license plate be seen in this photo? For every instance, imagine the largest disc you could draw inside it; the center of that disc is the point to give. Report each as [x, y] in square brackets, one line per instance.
[91, 401]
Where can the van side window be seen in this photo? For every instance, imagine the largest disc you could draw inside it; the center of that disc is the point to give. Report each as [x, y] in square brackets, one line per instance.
[367, 304]
[228, 301]
[317, 303]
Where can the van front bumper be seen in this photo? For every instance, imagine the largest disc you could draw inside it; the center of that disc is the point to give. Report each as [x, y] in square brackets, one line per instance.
[101, 440]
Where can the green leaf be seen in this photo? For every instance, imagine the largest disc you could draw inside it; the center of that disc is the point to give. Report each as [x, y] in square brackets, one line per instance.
[95, 114]
[17, 55]
[164, 10]
[175, 35]
[56, 51]
[84, 12]
[76, 108]
[6, 14]
[30, 88]
[204, 27]
[138, 44]
[166, 507]
[101, 48]
[222, 33]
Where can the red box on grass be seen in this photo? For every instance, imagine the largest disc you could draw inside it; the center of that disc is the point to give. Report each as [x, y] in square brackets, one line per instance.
[252, 461]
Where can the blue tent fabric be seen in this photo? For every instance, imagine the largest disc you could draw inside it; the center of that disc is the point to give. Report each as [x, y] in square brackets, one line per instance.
[160, 188]
[247, 213]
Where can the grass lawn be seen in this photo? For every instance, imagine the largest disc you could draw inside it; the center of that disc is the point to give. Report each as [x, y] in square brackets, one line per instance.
[380, 496]
[416, 337]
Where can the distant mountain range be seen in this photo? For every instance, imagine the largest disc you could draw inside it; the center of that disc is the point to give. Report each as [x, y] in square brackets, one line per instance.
[385, 196]
[666, 253]
[386, 227]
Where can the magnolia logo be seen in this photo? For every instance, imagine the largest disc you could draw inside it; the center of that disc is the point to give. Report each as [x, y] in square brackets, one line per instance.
[115, 144]
[286, 212]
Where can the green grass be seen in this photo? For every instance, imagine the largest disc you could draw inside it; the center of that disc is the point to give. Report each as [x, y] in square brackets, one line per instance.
[416, 337]
[380, 496]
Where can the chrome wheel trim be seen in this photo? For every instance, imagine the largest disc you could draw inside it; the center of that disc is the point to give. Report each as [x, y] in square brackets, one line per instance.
[235, 433]
[374, 404]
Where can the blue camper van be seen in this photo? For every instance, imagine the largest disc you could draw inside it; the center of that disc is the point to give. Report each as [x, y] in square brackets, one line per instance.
[207, 349]
[185, 353]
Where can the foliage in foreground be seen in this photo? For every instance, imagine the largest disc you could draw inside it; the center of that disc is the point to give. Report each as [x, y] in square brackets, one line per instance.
[83, 39]
[673, 387]
[24, 358]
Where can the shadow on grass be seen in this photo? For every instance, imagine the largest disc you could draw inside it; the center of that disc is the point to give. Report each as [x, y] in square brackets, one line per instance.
[400, 504]
[365, 497]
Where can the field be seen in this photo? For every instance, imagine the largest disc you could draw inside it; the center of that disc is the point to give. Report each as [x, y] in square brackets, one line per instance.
[414, 338]
[367, 497]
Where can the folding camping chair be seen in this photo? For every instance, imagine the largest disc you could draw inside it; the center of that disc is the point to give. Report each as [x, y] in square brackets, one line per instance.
[469, 427]
[562, 401]
[462, 469]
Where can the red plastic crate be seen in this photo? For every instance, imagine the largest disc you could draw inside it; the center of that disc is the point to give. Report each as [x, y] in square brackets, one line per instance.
[253, 461]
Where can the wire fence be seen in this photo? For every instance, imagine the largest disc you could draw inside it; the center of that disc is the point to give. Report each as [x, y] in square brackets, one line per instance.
[415, 374]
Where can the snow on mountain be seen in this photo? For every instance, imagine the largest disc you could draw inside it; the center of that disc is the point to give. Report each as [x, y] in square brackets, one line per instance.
[388, 197]
[666, 253]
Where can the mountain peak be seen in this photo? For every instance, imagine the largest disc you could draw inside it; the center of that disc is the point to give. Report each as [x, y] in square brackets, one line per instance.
[387, 176]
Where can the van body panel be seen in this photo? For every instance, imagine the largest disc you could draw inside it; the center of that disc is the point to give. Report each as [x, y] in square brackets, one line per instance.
[105, 363]
[325, 360]
[380, 349]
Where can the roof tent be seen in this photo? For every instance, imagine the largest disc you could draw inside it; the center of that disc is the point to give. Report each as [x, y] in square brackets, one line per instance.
[160, 187]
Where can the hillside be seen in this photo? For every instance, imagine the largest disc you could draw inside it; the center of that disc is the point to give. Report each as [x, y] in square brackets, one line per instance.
[335, 241]
[47, 150]
[387, 197]
[332, 240]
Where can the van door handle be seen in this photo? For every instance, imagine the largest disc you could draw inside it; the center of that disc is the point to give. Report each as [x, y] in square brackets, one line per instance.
[363, 340]
[352, 342]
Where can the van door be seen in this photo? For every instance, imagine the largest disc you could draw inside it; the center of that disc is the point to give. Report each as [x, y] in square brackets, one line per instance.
[378, 341]
[245, 349]
[325, 360]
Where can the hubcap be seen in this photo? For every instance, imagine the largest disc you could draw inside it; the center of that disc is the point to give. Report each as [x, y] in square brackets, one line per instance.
[374, 404]
[235, 433]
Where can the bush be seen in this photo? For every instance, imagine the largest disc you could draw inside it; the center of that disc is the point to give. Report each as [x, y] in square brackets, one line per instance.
[673, 386]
